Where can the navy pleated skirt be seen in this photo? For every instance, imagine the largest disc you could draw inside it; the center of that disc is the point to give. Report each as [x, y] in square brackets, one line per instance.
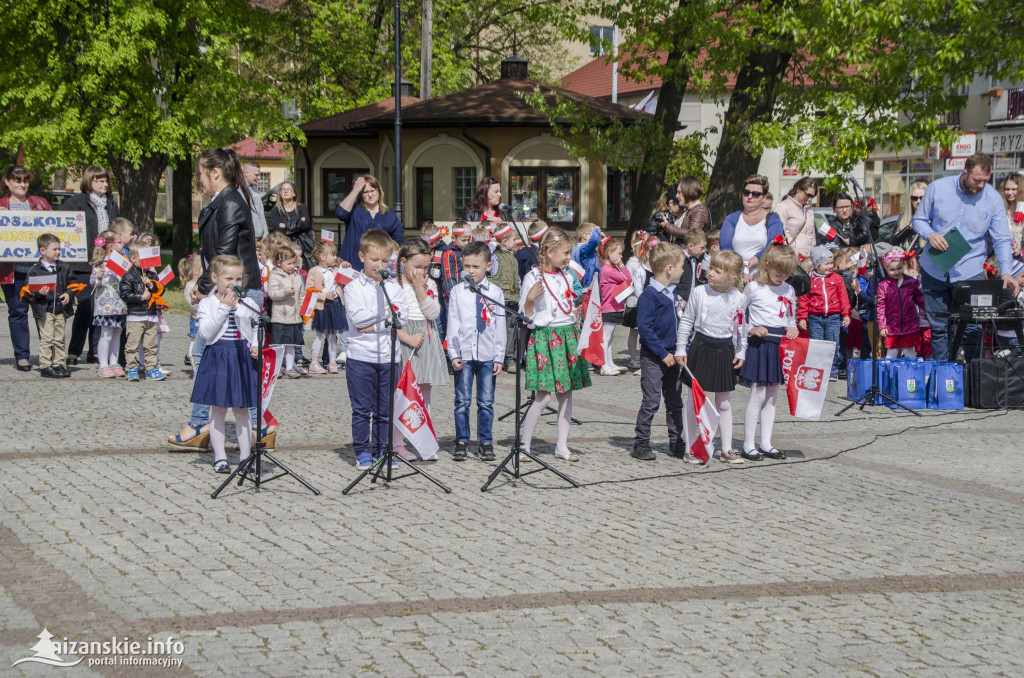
[763, 366]
[331, 318]
[226, 376]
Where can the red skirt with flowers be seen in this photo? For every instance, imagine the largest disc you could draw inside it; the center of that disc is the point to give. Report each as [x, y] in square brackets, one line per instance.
[551, 360]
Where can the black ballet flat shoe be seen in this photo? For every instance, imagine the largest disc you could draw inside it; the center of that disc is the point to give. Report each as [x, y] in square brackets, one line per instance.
[753, 455]
[772, 453]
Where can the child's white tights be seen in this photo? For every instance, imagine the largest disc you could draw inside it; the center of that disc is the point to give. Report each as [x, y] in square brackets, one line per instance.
[762, 403]
[533, 415]
[218, 415]
[109, 341]
[289, 358]
[724, 406]
[895, 352]
[609, 332]
[332, 346]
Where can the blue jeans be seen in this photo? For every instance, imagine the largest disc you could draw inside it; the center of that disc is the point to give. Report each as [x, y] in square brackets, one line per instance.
[17, 316]
[938, 295]
[483, 372]
[827, 327]
[370, 397]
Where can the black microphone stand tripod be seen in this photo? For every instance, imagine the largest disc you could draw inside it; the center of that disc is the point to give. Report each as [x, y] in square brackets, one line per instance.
[383, 465]
[252, 467]
[874, 393]
[524, 236]
[520, 321]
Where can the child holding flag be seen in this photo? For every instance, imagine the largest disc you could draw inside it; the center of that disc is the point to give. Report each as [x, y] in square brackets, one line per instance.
[137, 289]
[329, 318]
[109, 310]
[51, 306]
[286, 289]
[476, 346]
[226, 376]
[714, 315]
[657, 315]
[616, 287]
[552, 363]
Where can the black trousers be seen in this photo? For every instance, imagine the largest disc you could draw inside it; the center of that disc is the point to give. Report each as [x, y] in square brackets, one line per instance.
[82, 327]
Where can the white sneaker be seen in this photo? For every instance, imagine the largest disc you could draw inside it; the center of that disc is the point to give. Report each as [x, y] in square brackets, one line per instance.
[622, 369]
[609, 371]
[342, 358]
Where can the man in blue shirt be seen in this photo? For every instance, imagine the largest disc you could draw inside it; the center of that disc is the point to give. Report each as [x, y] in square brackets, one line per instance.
[971, 205]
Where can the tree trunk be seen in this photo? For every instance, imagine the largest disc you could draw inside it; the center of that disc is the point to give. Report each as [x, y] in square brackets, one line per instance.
[137, 187]
[753, 100]
[181, 196]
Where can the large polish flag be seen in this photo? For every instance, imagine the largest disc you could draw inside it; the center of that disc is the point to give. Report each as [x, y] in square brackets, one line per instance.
[591, 343]
[411, 417]
[806, 364]
[700, 423]
[272, 357]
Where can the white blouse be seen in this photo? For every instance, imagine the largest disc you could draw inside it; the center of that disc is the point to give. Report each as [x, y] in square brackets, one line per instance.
[549, 311]
[770, 305]
[749, 239]
[714, 314]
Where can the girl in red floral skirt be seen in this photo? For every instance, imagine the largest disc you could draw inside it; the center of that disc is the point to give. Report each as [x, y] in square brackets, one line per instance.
[552, 365]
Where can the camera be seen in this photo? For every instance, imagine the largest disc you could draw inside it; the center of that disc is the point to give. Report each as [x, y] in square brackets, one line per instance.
[657, 220]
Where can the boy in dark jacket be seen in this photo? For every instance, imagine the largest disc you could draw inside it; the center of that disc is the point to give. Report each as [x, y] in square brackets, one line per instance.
[51, 306]
[657, 315]
[141, 324]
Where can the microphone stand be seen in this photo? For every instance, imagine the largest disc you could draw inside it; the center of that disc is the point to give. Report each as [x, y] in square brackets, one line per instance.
[520, 321]
[252, 466]
[874, 394]
[383, 465]
[524, 236]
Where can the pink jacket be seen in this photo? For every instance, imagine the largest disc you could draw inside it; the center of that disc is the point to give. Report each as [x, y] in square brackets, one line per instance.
[798, 223]
[898, 305]
[610, 279]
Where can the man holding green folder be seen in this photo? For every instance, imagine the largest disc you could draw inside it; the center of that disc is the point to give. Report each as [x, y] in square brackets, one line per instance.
[955, 216]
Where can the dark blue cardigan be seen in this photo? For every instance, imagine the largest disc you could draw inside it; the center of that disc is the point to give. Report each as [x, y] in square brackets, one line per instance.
[656, 322]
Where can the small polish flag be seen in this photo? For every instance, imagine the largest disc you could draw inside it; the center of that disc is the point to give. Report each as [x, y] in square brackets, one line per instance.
[700, 422]
[623, 291]
[591, 343]
[436, 258]
[344, 276]
[327, 236]
[309, 302]
[166, 275]
[827, 231]
[149, 257]
[577, 269]
[42, 283]
[118, 264]
[412, 419]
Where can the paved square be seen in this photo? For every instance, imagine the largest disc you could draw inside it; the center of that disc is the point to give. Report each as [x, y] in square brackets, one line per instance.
[886, 544]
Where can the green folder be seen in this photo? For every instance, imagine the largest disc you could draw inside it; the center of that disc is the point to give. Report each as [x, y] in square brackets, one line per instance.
[957, 250]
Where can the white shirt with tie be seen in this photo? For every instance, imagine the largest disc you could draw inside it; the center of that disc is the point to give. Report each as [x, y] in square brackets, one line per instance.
[465, 340]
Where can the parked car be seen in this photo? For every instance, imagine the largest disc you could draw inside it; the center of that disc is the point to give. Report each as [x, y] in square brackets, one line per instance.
[56, 198]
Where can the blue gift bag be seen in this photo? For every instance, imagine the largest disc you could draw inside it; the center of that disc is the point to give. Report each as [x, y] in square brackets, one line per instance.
[906, 383]
[946, 387]
[858, 379]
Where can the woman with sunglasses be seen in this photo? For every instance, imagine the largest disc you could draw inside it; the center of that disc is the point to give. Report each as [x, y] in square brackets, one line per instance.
[904, 236]
[484, 205]
[797, 216]
[750, 231]
[14, 196]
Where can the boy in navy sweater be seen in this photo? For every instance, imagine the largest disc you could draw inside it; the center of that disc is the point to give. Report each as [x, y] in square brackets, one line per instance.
[657, 314]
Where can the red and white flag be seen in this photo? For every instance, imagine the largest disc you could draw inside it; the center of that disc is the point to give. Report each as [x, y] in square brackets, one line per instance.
[591, 343]
[411, 417]
[42, 283]
[272, 358]
[166, 275]
[436, 257]
[344, 276]
[623, 291]
[118, 264]
[149, 257]
[827, 231]
[806, 364]
[700, 423]
[309, 302]
[327, 236]
[577, 269]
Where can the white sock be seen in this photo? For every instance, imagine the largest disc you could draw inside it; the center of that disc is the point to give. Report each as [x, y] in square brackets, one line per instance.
[289, 358]
[910, 352]
[217, 416]
[609, 331]
[768, 416]
[757, 395]
[243, 425]
[318, 347]
[564, 419]
[532, 417]
[332, 347]
[103, 347]
[724, 406]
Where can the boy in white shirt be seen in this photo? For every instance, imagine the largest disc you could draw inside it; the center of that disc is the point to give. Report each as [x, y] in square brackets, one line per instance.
[476, 346]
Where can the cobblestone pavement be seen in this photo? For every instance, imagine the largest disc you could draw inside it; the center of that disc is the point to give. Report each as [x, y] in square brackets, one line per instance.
[886, 544]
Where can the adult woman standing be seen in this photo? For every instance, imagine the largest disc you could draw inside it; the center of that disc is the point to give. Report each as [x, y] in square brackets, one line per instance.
[904, 235]
[14, 196]
[97, 203]
[362, 209]
[1009, 190]
[797, 217]
[484, 205]
[291, 217]
[694, 215]
[750, 231]
[225, 227]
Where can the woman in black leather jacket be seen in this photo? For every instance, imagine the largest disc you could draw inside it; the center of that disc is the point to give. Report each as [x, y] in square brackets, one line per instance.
[484, 205]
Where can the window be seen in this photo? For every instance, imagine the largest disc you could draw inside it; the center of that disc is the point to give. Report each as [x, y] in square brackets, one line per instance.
[464, 183]
[336, 185]
[545, 193]
[597, 35]
[424, 194]
[620, 199]
[263, 183]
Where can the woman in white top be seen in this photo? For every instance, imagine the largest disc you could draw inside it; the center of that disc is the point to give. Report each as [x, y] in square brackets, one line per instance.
[750, 231]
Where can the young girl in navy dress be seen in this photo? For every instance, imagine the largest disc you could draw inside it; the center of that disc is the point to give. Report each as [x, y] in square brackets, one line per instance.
[552, 365]
[771, 314]
[329, 318]
[109, 311]
[226, 377]
[714, 315]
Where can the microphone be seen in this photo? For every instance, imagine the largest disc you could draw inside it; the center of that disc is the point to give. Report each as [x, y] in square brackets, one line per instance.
[384, 272]
[239, 292]
[468, 278]
[504, 209]
[853, 180]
